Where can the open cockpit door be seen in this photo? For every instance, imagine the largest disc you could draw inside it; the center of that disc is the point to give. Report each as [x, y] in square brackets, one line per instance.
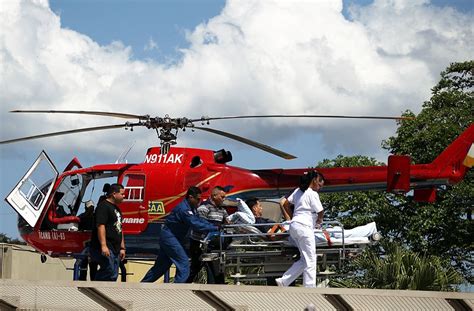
[31, 194]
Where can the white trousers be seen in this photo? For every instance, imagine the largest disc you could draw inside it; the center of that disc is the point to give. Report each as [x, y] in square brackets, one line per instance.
[303, 236]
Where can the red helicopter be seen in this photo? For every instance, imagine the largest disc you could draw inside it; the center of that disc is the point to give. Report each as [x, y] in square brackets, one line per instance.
[49, 202]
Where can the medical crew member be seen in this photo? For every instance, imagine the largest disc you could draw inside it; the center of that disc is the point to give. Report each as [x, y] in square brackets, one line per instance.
[307, 215]
[173, 237]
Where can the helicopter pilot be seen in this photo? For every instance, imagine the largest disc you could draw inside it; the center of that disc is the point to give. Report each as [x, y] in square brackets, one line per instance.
[86, 219]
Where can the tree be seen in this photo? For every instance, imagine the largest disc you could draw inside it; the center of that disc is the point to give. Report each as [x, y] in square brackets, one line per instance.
[445, 227]
[358, 208]
[400, 268]
[6, 239]
[442, 229]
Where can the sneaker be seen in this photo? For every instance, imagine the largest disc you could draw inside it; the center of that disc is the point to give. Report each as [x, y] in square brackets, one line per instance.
[279, 282]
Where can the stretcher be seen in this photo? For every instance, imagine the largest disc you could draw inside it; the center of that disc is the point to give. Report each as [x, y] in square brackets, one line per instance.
[246, 254]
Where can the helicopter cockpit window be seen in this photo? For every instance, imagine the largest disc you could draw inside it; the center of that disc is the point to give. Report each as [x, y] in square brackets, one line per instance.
[34, 194]
[31, 193]
[71, 187]
[36, 186]
[195, 162]
[134, 187]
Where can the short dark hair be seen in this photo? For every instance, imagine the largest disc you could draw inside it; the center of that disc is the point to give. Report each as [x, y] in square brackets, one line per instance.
[193, 191]
[220, 188]
[114, 188]
[251, 202]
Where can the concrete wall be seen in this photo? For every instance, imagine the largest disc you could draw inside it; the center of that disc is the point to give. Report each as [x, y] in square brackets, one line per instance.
[22, 262]
[80, 296]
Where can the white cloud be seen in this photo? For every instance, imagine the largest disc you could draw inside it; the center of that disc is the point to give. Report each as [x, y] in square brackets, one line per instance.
[151, 45]
[413, 31]
[256, 57]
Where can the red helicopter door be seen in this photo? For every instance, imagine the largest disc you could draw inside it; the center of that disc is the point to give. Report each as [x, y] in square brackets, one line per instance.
[31, 194]
[134, 210]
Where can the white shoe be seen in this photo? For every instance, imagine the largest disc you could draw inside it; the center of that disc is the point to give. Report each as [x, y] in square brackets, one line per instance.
[279, 282]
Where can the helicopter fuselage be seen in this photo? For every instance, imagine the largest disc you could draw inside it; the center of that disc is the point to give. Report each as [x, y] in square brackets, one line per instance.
[155, 186]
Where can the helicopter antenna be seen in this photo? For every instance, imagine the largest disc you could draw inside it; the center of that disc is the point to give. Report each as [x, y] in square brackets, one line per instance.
[123, 155]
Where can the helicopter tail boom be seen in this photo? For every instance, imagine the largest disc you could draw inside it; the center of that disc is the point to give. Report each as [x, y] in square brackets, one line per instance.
[454, 160]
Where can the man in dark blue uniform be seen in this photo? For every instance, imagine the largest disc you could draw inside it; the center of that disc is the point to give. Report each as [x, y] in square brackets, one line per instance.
[173, 237]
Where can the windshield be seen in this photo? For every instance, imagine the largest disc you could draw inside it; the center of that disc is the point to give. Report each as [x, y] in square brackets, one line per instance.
[67, 194]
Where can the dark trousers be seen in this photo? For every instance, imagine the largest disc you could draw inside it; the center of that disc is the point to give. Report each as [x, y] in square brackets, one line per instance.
[212, 268]
[195, 253]
[108, 266]
[84, 265]
[81, 266]
[171, 251]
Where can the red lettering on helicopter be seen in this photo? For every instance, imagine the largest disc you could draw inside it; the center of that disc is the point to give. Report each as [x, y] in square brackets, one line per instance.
[164, 158]
[51, 235]
[133, 220]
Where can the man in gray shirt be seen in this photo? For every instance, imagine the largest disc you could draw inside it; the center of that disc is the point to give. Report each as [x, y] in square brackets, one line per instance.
[213, 211]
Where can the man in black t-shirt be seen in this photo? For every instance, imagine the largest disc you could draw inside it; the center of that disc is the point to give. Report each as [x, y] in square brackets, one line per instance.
[107, 243]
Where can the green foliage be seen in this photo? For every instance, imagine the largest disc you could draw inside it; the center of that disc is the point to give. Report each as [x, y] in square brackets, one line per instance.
[445, 227]
[6, 239]
[400, 268]
[442, 229]
[449, 112]
[359, 208]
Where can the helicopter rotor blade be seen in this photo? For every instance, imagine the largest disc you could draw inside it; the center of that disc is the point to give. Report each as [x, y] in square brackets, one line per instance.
[95, 113]
[247, 141]
[165, 125]
[206, 118]
[320, 116]
[86, 129]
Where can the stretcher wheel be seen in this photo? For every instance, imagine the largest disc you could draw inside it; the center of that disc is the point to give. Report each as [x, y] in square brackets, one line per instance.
[376, 236]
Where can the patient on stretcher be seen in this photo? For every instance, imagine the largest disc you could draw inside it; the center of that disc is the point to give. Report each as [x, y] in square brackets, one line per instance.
[249, 217]
[330, 236]
[251, 212]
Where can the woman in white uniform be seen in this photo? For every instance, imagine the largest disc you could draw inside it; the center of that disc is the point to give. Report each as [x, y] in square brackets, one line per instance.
[307, 215]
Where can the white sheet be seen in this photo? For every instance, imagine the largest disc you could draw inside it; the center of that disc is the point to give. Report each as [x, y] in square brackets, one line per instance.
[357, 235]
[360, 231]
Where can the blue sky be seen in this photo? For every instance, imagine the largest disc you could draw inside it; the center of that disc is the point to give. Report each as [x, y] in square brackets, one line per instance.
[164, 21]
[135, 23]
[193, 58]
